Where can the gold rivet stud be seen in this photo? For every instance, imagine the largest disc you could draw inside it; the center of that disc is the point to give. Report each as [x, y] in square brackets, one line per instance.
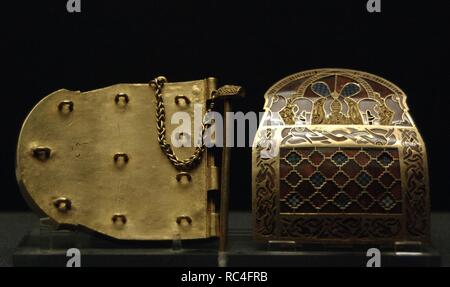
[63, 204]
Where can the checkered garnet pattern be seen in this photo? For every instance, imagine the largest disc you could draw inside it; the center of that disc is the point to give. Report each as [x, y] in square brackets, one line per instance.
[340, 180]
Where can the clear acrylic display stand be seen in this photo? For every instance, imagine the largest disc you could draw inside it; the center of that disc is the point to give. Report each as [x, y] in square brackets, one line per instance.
[45, 246]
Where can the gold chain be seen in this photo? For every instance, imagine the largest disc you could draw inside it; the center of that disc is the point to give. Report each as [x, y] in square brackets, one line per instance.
[183, 164]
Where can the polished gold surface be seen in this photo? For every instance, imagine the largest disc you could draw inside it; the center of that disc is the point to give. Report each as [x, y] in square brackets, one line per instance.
[337, 159]
[92, 159]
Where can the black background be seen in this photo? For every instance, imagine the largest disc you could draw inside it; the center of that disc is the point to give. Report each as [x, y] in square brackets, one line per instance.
[255, 44]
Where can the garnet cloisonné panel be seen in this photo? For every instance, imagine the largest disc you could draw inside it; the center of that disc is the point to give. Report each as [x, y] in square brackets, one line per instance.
[335, 180]
[340, 193]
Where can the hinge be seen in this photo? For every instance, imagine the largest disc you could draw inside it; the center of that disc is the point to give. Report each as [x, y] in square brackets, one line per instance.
[213, 178]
